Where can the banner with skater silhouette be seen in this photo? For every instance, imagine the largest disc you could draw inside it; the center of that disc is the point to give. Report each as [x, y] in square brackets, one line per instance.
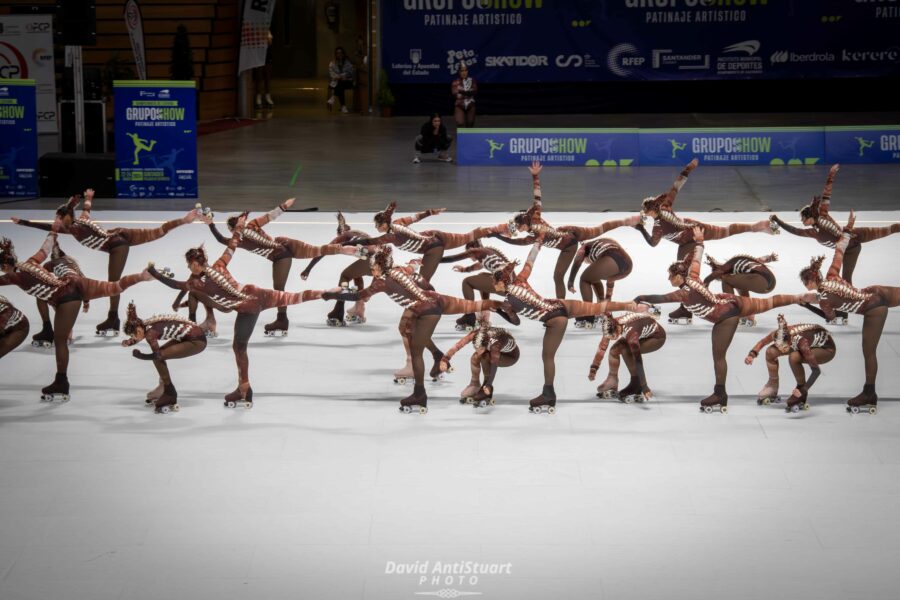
[156, 139]
[558, 147]
[857, 144]
[733, 146]
[18, 138]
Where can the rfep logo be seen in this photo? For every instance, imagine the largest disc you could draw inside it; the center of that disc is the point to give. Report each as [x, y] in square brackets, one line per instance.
[12, 63]
[623, 58]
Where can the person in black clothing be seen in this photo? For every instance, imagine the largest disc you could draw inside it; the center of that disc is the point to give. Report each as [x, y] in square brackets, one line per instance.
[433, 136]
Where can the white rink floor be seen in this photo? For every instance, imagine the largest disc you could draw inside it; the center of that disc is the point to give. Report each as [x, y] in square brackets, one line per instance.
[323, 486]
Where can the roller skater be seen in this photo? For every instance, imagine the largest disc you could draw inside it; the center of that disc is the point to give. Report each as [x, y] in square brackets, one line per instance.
[836, 294]
[803, 343]
[215, 285]
[183, 339]
[116, 242]
[43, 338]
[744, 274]
[722, 310]
[635, 334]
[564, 238]
[352, 273]
[554, 314]
[668, 225]
[424, 308]
[13, 327]
[64, 294]
[485, 257]
[494, 348]
[281, 252]
[608, 262]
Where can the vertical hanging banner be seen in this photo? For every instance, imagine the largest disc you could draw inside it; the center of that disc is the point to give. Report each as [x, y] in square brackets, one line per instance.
[26, 52]
[861, 144]
[134, 23]
[255, 33]
[156, 139]
[18, 138]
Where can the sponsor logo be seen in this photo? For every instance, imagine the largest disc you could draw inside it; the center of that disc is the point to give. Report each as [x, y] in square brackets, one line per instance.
[663, 57]
[415, 55]
[37, 27]
[457, 57]
[864, 145]
[12, 62]
[4, 91]
[786, 56]
[164, 94]
[532, 60]
[415, 66]
[575, 61]
[892, 55]
[751, 64]
[143, 94]
[890, 142]
[41, 57]
[46, 116]
[493, 147]
[623, 58]
[750, 47]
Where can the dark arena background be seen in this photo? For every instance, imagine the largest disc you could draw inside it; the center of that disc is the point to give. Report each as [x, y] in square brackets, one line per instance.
[638, 337]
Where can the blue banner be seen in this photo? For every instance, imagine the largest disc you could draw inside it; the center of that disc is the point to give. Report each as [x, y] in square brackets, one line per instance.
[733, 146]
[18, 138]
[879, 144]
[513, 41]
[156, 139]
[559, 147]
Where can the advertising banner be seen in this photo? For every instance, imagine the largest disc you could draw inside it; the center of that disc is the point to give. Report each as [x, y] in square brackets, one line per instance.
[18, 138]
[26, 52]
[156, 139]
[733, 146]
[557, 147]
[255, 33]
[134, 23]
[878, 144]
[515, 41]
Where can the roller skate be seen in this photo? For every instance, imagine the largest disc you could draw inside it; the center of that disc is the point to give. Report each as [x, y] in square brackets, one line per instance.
[56, 391]
[357, 314]
[204, 211]
[840, 318]
[680, 316]
[546, 401]
[155, 394]
[110, 327]
[747, 321]
[209, 328]
[168, 402]
[654, 311]
[482, 400]
[435, 372]
[608, 389]
[468, 394]
[238, 399]
[417, 401]
[43, 339]
[774, 227]
[506, 311]
[404, 374]
[796, 403]
[466, 322]
[278, 327]
[336, 317]
[865, 400]
[632, 392]
[268, 102]
[768, 394]
[585, 322]
[718, 399]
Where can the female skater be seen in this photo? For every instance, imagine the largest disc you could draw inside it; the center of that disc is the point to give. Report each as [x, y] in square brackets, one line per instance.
[354, 272]
[745, 274]
[722, 310]
[115, 242]
[494, 348]
[183, 339]
[215, 285]
[608, 262]
[668, 225]
[13, 327]
[485, 257]
[65, 295]
[637, 334]
[280, 252]
[821, 226]
[430, 244]
[836, 294]
[61, 265]
[425, 308]
[564, 238]
[803, 343]
[554, 314]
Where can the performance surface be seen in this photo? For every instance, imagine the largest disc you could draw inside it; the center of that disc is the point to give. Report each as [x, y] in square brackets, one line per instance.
[324, 488]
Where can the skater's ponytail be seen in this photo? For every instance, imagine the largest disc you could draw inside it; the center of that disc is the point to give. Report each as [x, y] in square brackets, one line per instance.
[342, 224]
[606, 323]
[197, 254]
[7, 252]
[66, 210]
[811, 210]
[386, 216]
[507, 274]
[383, 258]
[681, 267]
[812, 273]
[652, 203]
[132, 321]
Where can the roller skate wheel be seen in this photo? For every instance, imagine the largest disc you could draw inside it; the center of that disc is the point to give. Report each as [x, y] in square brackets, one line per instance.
[723, 410]
[551, 410]
[400, 380]
[423, 410]
[493, 402]
[470, 400]
[872, 410]
[164, 410]
[231, 404]
[805, 406]
[404, 409]
[176, 408]
[853, 409]
[150, 401]
[628, 399]
[706, 409]
[534, 410]
[211, 334]
[795, 408]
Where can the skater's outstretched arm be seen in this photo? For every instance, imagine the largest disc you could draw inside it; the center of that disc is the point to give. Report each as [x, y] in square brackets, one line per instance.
[88, 204]
[222, 263]
[826, 191]
[676, 296]
[834, 271]
[218, 234]
[378, 285]
[694, 272]
[463, 341]
[32, 224]
[449, 258]
[679, 182]
[169, 281]
[522, 241]
[525, 273]
[272, 214]
[754, 352]
[802, 232]
[47, 247]
[535, 170]
[598, 357]
[653, 239]
[576, 264]
[406, 221]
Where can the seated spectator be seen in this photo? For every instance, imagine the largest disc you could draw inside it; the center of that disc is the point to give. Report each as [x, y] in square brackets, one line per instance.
[340, 70]
[433, 138]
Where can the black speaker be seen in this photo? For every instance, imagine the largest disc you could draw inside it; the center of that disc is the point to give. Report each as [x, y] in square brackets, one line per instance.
[76, 23]
[63, 175]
